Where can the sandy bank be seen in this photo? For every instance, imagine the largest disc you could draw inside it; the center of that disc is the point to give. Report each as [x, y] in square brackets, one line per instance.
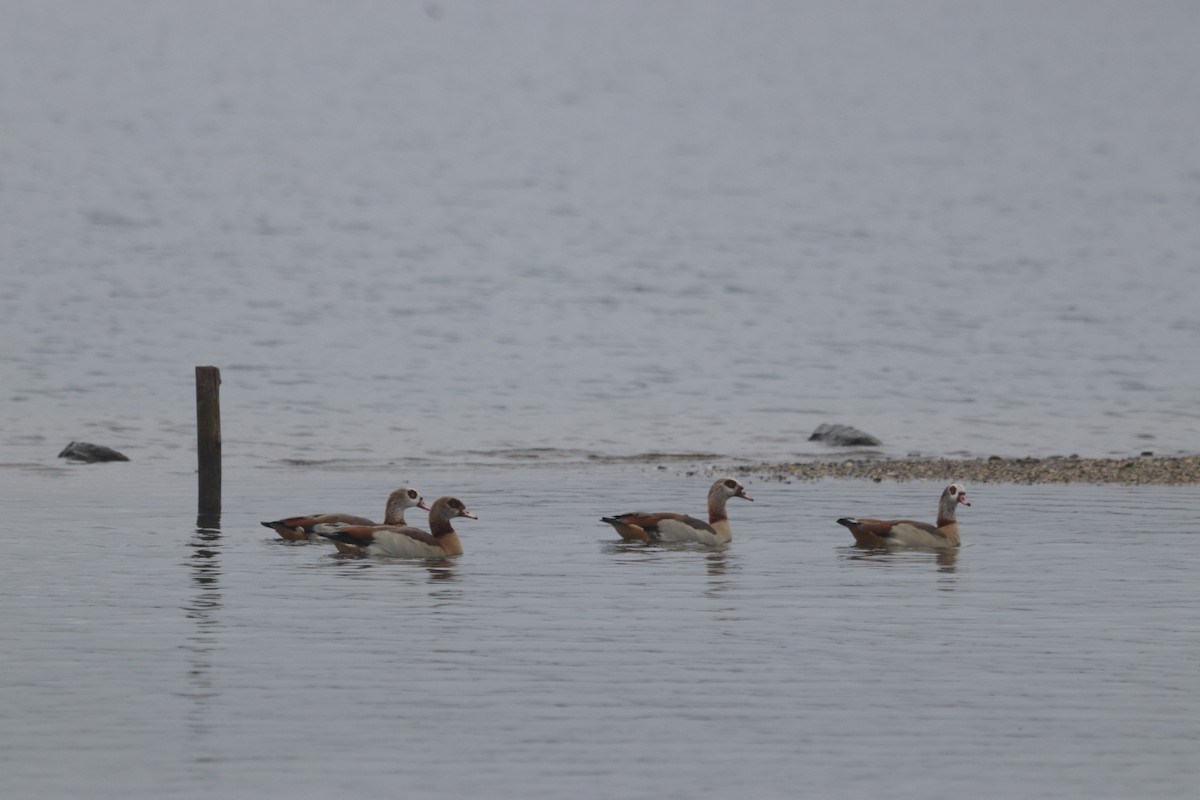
[1140, 470]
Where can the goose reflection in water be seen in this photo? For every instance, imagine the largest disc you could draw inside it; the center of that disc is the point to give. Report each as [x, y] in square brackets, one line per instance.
[946, 560]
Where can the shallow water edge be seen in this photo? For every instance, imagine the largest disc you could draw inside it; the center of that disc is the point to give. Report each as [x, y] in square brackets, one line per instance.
[1132, 471]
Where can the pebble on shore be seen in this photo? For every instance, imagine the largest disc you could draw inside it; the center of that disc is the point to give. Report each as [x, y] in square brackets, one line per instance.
[1142, 470]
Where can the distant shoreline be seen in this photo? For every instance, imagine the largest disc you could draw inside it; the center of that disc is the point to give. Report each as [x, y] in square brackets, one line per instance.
[1134, 471]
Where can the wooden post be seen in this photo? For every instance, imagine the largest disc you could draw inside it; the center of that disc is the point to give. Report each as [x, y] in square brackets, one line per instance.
[208, 438]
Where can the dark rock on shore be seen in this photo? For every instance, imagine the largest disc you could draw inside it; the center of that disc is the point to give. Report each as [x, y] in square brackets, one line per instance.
[88, 453]
[843, 436]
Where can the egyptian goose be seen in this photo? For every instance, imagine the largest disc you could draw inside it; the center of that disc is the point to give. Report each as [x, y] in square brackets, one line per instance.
[882, 533]
[296, 529]
[403, 541]
[670, 527]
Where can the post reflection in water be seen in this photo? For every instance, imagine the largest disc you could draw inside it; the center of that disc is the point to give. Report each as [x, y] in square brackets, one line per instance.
[205, 568]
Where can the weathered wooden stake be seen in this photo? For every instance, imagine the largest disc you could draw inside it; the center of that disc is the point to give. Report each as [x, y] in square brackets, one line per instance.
[208, 438]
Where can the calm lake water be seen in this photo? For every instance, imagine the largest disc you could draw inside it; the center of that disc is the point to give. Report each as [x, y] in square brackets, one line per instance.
[1053, 656]
[562, 260]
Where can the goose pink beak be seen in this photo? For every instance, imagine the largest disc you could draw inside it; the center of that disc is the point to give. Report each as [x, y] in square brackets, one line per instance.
[962, 498]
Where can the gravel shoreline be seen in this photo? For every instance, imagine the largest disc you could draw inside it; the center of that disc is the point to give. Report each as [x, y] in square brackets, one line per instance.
[1136, 471]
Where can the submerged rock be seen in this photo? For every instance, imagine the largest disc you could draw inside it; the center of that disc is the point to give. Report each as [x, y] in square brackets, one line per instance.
[88, 453]
[843, 436]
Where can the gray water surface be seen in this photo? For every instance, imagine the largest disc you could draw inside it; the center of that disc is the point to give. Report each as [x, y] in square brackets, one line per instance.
[1053, 656]
[528, 252]
[529, 229]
